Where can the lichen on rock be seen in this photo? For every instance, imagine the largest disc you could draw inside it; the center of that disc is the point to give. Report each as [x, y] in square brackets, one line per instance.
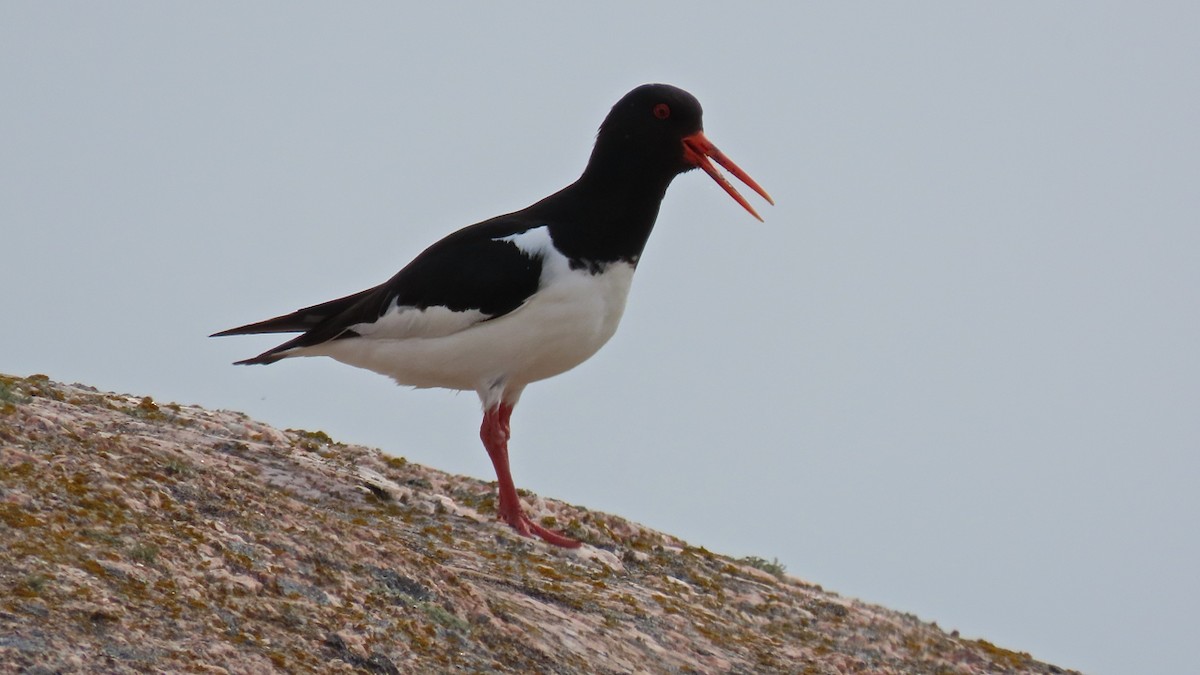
[141, 536]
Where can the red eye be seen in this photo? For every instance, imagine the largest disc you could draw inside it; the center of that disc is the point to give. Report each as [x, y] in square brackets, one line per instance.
[662, 111]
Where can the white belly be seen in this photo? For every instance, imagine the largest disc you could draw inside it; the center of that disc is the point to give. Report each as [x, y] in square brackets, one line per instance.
[561, 326]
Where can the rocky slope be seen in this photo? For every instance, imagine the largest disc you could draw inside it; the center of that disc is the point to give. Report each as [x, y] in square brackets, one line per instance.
[138, 536]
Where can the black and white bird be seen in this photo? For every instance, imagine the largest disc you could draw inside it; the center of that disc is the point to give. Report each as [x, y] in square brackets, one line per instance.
[523, 296]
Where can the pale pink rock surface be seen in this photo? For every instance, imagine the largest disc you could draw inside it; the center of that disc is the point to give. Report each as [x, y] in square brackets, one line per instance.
[137, 536]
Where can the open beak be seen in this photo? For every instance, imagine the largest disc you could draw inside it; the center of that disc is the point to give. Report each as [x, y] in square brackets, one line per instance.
[697, 150]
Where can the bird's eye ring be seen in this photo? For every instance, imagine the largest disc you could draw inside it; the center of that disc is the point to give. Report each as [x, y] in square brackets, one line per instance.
[662, 111]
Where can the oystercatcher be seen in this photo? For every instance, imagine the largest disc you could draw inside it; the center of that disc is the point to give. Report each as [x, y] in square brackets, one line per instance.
[523, 296]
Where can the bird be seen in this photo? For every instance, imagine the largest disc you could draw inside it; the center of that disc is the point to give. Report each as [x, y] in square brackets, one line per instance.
[524, 296]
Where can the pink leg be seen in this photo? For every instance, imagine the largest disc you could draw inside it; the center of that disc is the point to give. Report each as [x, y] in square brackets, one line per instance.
[495, 433]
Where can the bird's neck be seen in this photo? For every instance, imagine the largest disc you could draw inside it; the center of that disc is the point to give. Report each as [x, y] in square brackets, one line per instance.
[612, 213]
[628, 199]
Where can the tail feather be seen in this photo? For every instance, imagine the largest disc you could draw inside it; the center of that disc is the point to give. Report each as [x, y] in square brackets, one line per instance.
[263, 359]
[300, 321]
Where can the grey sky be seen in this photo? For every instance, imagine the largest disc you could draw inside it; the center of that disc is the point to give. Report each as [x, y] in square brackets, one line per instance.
[956, 372]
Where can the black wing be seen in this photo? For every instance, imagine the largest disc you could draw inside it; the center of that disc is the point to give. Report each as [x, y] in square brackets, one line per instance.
[472, 269]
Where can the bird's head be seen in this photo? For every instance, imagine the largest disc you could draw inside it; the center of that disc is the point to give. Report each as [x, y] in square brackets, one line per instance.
[658, 129]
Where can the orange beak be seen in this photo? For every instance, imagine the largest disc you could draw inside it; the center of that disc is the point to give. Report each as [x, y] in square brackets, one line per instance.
[697, 150]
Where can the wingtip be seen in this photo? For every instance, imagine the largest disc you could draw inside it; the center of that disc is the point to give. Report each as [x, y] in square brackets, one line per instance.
[228, 332]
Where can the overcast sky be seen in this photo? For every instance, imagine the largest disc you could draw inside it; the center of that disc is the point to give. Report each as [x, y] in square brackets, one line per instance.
[955, 372]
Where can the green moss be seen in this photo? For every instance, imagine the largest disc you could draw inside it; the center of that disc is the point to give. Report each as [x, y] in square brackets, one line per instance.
[143, 553]
[313, 440]
[147, 406]
[774, 567]
[1004, 656]
[444, 617]
[31, 586]
[178, 467]
[395, 462]
[40, 385]
[10, 394]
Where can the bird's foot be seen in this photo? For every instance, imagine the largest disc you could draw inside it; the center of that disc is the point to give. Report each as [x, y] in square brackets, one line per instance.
[523, 524]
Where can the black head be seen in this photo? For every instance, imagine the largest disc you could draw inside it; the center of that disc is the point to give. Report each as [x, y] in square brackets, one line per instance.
[647, 127]
[653, 134]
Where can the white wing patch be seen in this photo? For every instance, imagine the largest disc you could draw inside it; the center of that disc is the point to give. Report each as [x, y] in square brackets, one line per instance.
[533, 242]
[536, 243]
[400, 322]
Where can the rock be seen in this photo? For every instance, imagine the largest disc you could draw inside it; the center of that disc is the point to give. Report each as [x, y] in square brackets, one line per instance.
[142, 536]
